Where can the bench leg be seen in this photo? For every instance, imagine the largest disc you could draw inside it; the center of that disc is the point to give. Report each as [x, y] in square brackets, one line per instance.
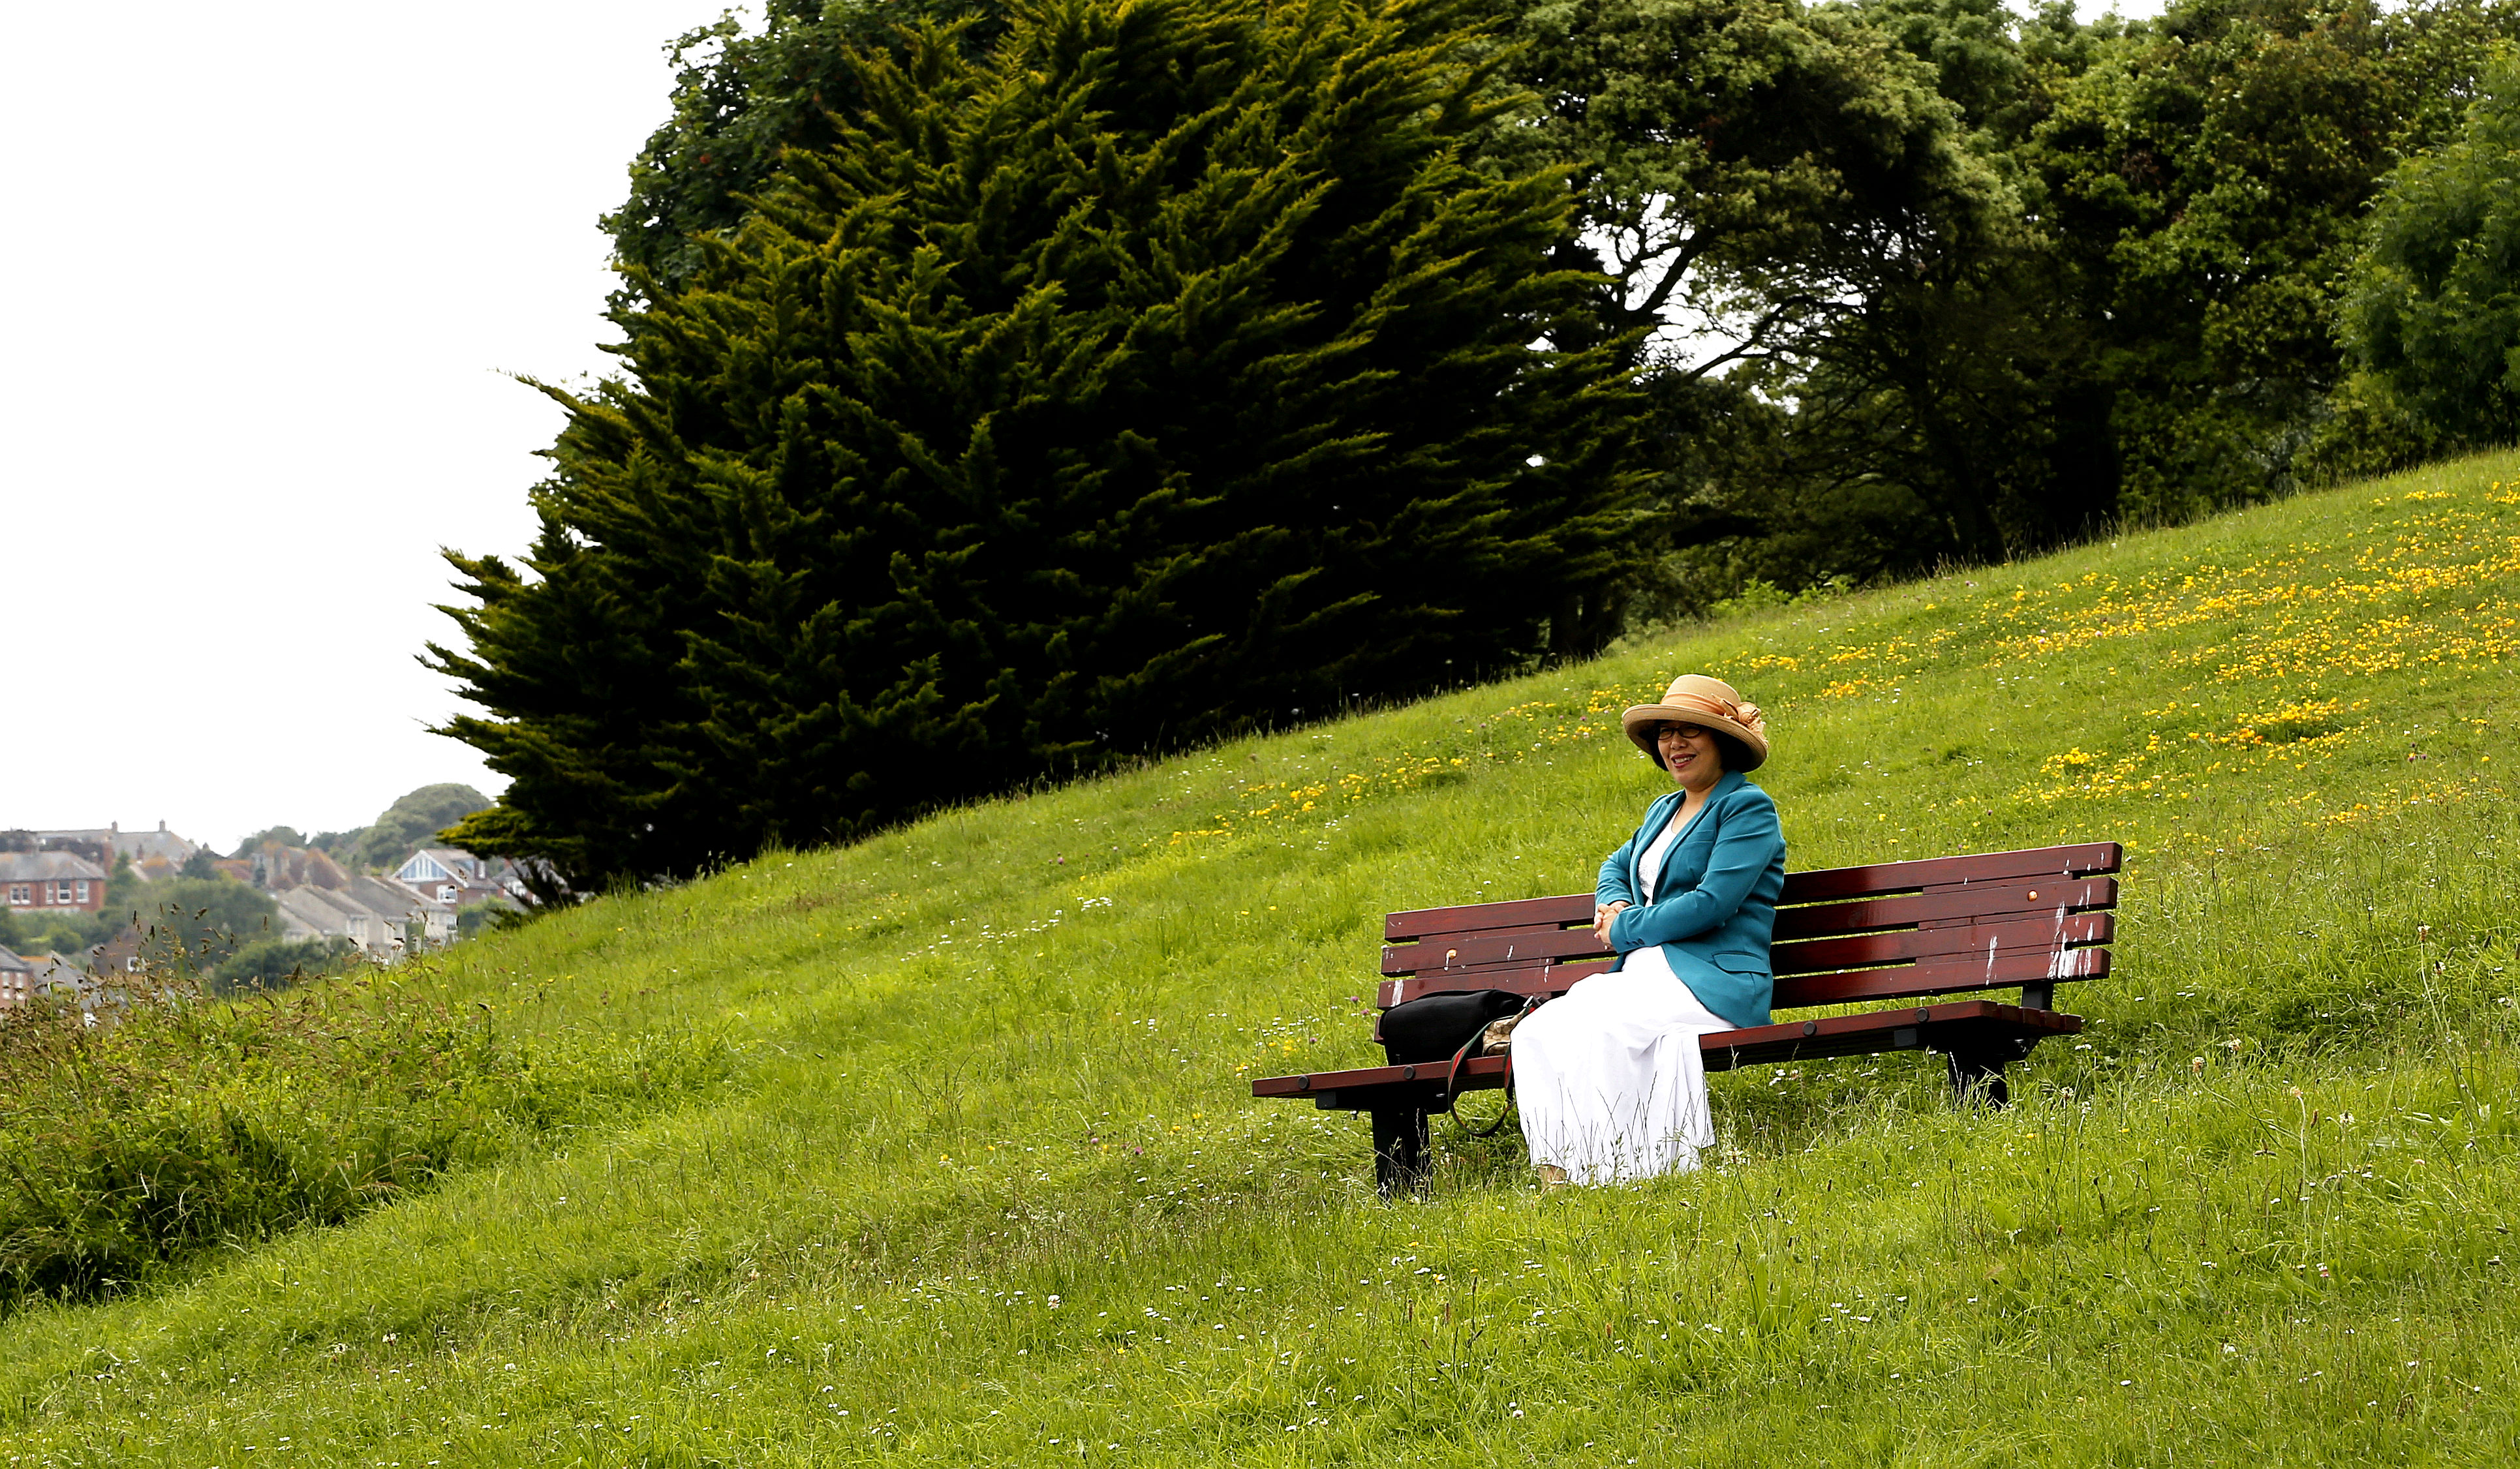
[1977, 1073]
[1400, 1152]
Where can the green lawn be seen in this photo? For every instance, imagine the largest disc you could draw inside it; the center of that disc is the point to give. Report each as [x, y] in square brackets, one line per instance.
[987, 1185]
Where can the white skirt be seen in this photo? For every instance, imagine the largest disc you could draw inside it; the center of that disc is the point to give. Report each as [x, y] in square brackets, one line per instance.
[1609, 1078]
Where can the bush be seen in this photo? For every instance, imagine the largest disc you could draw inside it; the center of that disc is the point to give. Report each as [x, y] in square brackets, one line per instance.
[128, 1149]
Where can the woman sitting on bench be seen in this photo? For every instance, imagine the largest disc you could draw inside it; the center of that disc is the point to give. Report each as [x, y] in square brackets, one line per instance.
[1610, 1081]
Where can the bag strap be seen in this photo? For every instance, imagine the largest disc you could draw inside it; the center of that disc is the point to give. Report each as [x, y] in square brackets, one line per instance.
[1503, 1112]
[1452, 1076]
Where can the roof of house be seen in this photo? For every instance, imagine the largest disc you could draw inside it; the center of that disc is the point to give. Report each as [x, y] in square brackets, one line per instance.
[386, 896]
[459, 862]
[46, 867]
[158, 843]
[320, 909]
[122, 946]
[11, 963]
[102, 836]
[431, 864]
[60, 969]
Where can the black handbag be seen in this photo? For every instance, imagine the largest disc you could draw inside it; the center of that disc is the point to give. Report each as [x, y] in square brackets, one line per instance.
[1435, 1027]
[1446, 1028]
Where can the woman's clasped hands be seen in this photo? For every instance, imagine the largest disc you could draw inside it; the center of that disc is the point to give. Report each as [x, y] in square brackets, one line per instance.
[1602, 914]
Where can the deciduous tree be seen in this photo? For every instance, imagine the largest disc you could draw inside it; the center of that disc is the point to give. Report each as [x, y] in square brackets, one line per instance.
[2434, 305]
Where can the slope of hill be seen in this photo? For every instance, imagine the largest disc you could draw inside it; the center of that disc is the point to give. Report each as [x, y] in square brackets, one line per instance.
[989, 1187]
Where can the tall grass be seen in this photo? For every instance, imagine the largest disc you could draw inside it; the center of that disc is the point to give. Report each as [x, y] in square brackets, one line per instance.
[990, 1187]
[181, 1125]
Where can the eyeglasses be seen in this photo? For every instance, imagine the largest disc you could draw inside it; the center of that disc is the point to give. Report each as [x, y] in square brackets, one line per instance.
[1685, 732]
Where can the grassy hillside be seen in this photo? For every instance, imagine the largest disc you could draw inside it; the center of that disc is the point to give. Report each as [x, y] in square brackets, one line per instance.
[987, 1185]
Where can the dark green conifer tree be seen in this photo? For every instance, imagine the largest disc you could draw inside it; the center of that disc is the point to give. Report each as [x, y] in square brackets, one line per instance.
[1162, 371]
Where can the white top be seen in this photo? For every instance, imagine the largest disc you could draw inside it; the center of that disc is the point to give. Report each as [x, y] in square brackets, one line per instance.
[1649, 865]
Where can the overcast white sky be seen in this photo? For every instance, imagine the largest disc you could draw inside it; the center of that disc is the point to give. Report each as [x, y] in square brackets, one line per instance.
[271, 262]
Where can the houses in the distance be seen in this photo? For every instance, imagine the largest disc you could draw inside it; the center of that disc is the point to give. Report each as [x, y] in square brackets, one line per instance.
[452, 874]
[381, 916]
[154, 854]
[25, 981]
[51, 882]
[17, 981]
[63, 980]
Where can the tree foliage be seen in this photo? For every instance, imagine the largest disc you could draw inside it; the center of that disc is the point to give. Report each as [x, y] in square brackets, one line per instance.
[2205, 184]
[193, 924]
[740, 99]
[1931, 279]
[2434, 307]
[2146, 329]
[1010, 389]
[271, 836]
[1165, 368]
[1787, 196]
[414, 821]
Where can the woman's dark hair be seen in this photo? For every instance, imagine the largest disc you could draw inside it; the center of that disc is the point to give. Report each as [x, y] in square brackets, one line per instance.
[1735, 754]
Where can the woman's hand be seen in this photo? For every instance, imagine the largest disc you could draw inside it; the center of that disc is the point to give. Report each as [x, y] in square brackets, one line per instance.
[1602, 913]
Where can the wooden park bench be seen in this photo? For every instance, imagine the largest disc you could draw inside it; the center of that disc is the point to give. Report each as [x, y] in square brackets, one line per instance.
[1897, 930]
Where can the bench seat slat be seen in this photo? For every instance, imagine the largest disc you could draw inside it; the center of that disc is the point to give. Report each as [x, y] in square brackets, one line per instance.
[1936, 1026]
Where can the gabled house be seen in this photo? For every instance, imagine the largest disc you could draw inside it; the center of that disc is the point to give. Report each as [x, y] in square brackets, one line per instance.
[451, 874]
[407, 905]
[51, 882]
[374, 913]
[315, 913]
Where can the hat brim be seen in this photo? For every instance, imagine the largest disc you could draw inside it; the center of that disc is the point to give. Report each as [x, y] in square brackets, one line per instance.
[1640, 721]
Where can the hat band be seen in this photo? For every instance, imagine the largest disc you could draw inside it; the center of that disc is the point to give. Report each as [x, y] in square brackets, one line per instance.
[1744, 715]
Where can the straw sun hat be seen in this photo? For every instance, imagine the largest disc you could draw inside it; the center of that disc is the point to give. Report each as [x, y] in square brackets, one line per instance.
[1709, 703]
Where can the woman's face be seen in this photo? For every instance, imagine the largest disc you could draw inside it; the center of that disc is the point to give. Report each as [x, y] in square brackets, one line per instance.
[1690, 754]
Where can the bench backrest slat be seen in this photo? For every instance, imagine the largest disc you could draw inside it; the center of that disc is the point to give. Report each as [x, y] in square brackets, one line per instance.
[1572, 908]
[1909, 982]
[2055, 897]
[1876, 880]
[1869, 950]
[1936, 927]
[1991, 903]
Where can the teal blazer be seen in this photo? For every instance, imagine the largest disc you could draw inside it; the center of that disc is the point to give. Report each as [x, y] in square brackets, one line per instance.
[1715, 905]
